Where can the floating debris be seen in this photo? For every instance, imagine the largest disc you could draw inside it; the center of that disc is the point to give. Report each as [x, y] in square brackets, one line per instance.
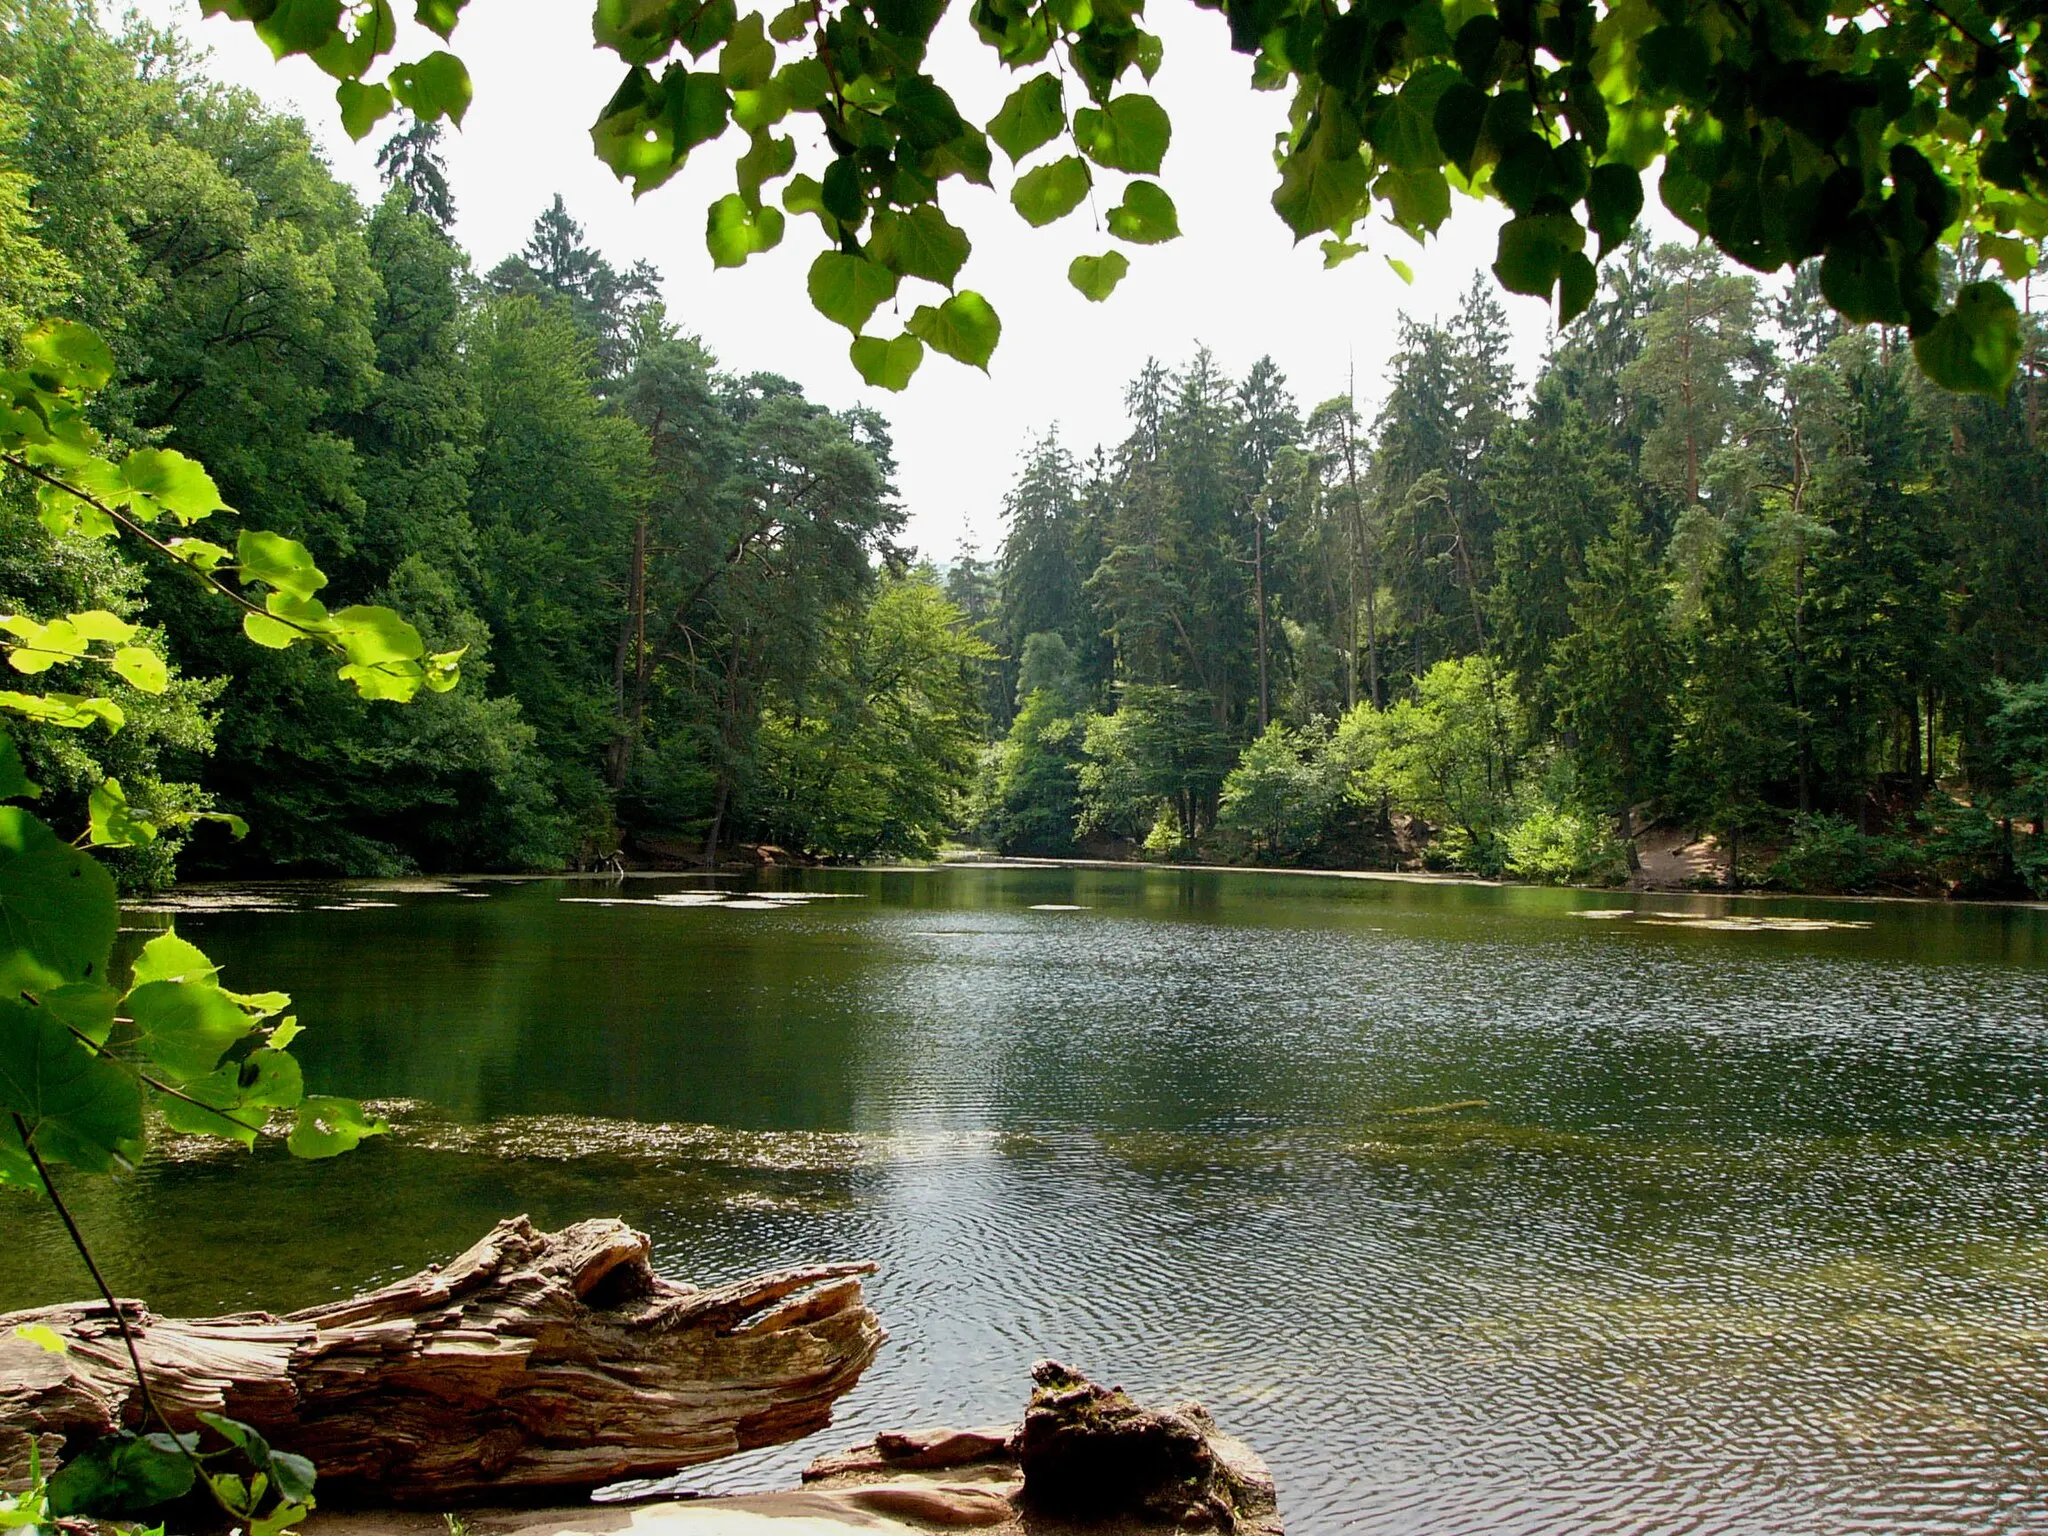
[1440, 1109]
[1723, 923]
[1056, 906]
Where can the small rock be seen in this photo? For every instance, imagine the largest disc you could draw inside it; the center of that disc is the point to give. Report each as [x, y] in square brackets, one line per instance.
[927, 1450]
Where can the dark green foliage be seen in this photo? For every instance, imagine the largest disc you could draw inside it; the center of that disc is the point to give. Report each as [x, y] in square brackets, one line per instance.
[1728, 568]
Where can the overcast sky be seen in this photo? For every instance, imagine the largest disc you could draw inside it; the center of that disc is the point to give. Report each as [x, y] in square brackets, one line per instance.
[1234, 280]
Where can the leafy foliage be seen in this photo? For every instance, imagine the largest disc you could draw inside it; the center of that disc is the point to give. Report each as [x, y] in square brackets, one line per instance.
[1785, 132]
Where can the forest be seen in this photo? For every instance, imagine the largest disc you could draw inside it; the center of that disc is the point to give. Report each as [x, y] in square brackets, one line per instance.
[677, 588]
[1732, 564]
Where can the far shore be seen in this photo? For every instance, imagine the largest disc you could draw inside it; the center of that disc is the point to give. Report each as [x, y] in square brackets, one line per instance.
[971, 859]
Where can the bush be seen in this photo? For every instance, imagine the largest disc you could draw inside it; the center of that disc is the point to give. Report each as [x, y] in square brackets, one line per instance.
[1560, 847]
[1827, 854]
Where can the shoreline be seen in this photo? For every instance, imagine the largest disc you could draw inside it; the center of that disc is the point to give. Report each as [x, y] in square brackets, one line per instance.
[400, 883]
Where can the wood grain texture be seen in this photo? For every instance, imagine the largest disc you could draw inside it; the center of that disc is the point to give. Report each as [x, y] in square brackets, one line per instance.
[535, 1360]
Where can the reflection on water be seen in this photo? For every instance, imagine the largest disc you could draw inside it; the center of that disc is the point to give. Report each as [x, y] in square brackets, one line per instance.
[1473, 1216]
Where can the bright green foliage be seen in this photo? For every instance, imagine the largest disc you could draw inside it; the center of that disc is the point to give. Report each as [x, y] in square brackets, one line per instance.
[1031, 791]
[1447, 756]
[1730, 566]
[80, 1054]
[1096, 277]
[1282, 794]
[875, 753]
[1161, 755]
[1870, 141]
[1555, 846]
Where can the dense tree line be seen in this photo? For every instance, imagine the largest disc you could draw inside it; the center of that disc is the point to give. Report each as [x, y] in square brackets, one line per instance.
[1729, 565]
[678, 589]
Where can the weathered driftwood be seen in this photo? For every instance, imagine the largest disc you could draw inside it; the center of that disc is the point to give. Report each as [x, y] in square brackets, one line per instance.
[535, 1360]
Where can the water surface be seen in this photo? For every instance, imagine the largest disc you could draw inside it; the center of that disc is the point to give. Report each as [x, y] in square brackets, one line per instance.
[1474, 1212]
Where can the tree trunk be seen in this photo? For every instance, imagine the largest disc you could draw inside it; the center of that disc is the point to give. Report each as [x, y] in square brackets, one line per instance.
[1259, 596]
[554, 1360]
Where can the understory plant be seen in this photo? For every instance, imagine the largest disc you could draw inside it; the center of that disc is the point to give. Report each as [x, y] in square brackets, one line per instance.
[89, 1063]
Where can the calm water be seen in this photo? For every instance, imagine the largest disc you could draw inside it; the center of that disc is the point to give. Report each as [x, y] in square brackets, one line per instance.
[1473, 1213]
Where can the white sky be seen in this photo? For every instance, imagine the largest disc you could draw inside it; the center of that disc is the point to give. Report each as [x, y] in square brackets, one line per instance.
[1234, 280]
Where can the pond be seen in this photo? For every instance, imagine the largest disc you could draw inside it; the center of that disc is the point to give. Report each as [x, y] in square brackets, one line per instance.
[1476, 1209]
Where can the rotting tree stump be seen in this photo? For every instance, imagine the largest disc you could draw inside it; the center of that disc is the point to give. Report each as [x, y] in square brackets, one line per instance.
[536, 1360]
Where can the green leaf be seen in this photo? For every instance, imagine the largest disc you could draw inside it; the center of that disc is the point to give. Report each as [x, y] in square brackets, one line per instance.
[1402, 132]
[283, 563]
[57, 908]
[170, 958]
[1458, 120]
[271, 634]
[1421, 200]
[1096, 277]
[80, 1108]
[847, 289]
[1577, 285]
[1146, 216]
[98, 624]
[734, 230]
[1130, 134]
[142, 669]
[236, 1098]
[15, 783]
[112, 824]
[1031, 116]
[328, 1127]
[1319, 188]
[887, 364]
[921, 243]
[393, 682]
[362, 107]
[1614, 201]
[184, 1027]
[638, 31]
[1859, 275]
[748, 58]
[435, 87]
[291, 1475]
[438, 16]
[1051, 191]
[1532, 251]
[84, 1007]
[71, 711]
[965, 327]
[121, 1474]
[373, 635]
[72, 354]
[297, 26]
[1975, 347]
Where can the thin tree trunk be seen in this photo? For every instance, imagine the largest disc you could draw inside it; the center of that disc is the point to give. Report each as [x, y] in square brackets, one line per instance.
[1259, 596]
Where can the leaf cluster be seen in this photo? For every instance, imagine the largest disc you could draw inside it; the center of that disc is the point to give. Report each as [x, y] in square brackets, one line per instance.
[1787, 130]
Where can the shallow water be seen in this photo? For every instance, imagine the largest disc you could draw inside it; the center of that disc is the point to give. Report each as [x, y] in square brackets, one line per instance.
[1474, 1209]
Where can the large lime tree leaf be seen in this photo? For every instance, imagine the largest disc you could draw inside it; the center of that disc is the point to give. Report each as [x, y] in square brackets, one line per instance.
[121, 1474]
[183, 1028]
[328, 1127]
[57, 908]
[1975, 347]
[78, 1106]
[965, 327]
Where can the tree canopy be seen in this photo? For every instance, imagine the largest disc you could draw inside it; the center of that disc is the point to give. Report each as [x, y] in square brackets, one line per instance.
[1782, 131]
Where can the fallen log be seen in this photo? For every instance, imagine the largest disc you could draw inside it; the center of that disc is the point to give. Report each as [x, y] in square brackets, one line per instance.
[535, 1360]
